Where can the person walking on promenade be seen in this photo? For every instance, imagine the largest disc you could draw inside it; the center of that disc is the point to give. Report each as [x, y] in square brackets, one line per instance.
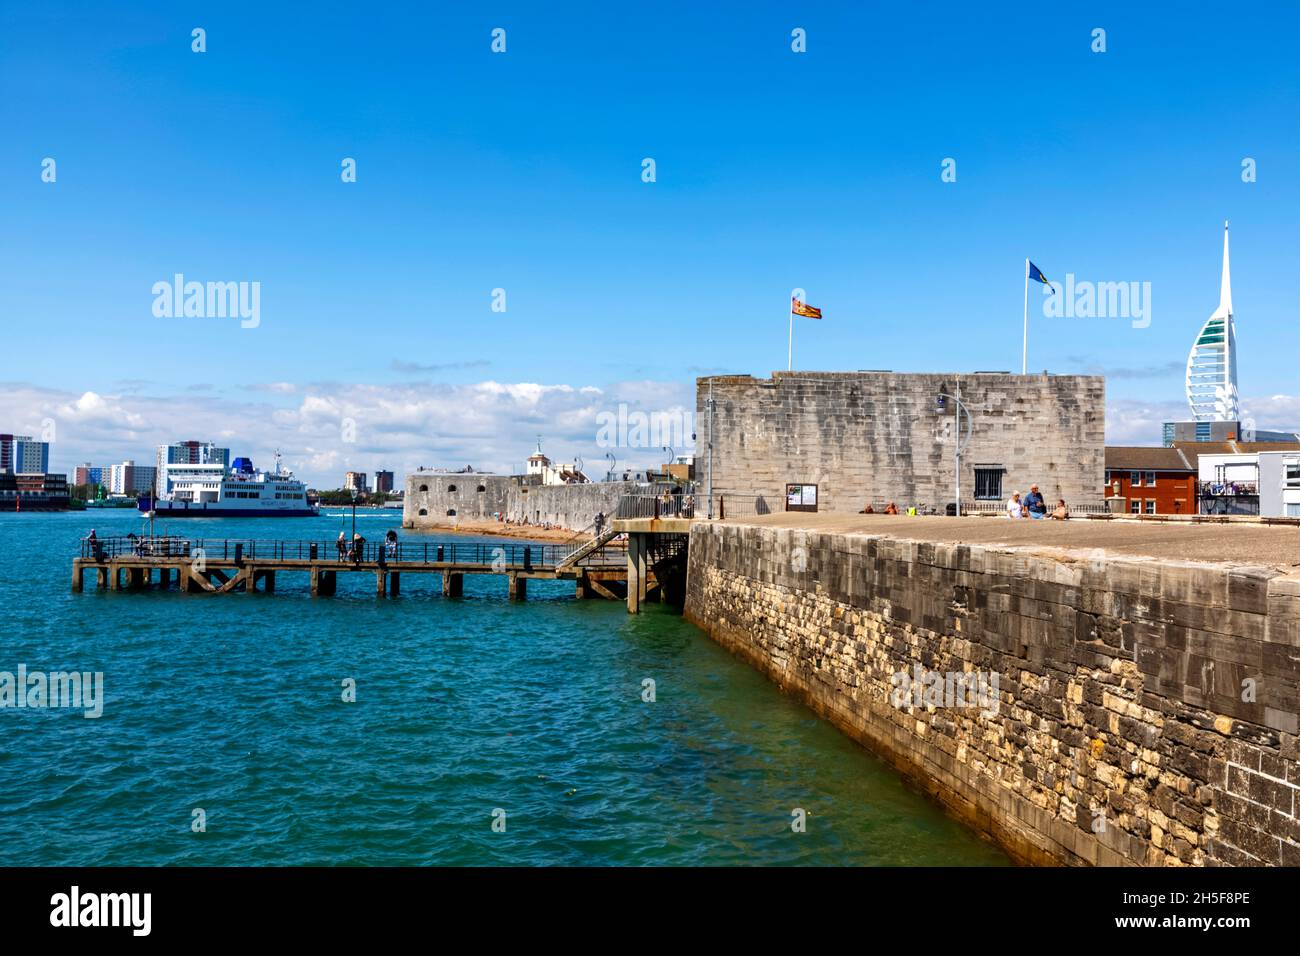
[1014, 507]
[600, 522]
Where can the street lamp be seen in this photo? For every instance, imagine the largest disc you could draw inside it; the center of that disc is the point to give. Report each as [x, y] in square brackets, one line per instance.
[609, 456]
[353, 489]
[940, 406]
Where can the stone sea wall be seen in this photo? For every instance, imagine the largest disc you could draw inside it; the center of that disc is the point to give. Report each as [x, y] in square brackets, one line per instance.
[435, 499]
[1144, 713]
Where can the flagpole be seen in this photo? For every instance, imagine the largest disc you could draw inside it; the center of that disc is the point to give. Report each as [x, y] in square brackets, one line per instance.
[789, 361]
[1024, 354]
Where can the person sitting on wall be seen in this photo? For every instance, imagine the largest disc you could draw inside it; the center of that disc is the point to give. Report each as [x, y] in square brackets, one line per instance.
[1014, 507]
[891, 509]
[868, 510]
[1062, 513]
[1034, 505]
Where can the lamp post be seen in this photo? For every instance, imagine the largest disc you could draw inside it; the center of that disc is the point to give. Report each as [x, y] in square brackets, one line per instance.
[354, 512]
[613, 462]
[958, 441]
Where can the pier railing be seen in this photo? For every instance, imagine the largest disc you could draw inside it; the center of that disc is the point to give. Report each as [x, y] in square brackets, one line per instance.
[693, 506]
[503, 554]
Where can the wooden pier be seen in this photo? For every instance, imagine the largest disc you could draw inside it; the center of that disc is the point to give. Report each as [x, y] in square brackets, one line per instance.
[224, 566]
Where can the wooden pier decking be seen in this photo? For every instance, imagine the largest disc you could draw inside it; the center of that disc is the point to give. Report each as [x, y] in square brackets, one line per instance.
[223, 566]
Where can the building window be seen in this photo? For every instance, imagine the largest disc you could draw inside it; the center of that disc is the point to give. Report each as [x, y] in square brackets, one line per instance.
[1135, 479]
[1293, 474]
[988, 484]
[1151, 479]
[1151, 506]
[423, 512]
[424, 487]
[1202, 431]
[451, 512]
[482, 488]
[1293, 509]
[1135, 506]
[451, 487]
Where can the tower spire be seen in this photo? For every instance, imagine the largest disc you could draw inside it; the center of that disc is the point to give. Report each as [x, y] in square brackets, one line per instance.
[1225, 289]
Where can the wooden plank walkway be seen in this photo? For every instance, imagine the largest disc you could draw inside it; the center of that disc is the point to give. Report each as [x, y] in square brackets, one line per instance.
[222, 566]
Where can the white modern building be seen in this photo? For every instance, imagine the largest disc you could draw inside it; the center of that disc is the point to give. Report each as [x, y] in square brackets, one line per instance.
[554, 473]
[128, 478]
[1265, 483]
[1212, 362]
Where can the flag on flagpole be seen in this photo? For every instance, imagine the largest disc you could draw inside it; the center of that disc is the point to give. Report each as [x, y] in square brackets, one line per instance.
[1036, 274]
[804, 309]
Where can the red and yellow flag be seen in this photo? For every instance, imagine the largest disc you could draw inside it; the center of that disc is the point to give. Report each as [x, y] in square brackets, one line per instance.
[804, 309]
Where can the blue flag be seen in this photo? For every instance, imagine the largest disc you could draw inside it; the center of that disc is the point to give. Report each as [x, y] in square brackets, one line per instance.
[1036, 275]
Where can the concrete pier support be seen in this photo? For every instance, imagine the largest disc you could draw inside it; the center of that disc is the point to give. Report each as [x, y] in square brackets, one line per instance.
[453, 585]
[78, 577]
[268, 582]
[115, 578]
[381, 584]
[323, 583]
[518, 586]
[638, 571]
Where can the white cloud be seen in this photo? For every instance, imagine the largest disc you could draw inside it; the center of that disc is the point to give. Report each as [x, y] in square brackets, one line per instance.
[492, 425]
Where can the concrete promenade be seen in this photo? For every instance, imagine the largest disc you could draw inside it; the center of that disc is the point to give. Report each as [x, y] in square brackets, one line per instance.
[1268, 545]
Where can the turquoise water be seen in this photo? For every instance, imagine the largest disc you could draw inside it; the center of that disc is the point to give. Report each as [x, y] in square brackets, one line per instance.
[232, 703]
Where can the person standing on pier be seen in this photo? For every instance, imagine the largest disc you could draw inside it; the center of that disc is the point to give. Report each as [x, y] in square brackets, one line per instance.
[342, 547]
[600, 522]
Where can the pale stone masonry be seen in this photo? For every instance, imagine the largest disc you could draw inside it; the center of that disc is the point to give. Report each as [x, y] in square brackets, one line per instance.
[438, 499]
[1146, 708]
[874, 437]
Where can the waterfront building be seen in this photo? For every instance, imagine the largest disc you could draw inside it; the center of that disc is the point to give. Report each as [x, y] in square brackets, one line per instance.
[89, 474]
[128, 478]
[843, 441]
[383, 482]
[185, 453]
[23, 455]
[1259, 480]
[1150, 481]
[356, 481]
[1212, 363]
[554, 473]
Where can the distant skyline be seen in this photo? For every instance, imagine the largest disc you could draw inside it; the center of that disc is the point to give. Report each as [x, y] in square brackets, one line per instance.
[522, 171]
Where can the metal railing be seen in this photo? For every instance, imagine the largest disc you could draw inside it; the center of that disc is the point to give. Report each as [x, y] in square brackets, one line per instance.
[1227, 489]
[381, 553]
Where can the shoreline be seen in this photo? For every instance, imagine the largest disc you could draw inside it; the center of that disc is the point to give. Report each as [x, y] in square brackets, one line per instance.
[499, 529]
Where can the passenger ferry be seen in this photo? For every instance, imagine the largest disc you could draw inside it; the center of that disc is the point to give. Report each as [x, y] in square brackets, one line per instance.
[210, 491]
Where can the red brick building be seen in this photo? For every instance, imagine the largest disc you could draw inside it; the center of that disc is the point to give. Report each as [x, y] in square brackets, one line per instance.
[1151, 481]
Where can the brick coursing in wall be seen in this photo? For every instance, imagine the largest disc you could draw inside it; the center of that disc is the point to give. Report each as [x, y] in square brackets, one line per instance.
[868, 437]
[1121, 684]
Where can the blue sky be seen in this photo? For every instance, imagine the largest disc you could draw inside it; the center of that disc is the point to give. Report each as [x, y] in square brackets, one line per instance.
[522, 171]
